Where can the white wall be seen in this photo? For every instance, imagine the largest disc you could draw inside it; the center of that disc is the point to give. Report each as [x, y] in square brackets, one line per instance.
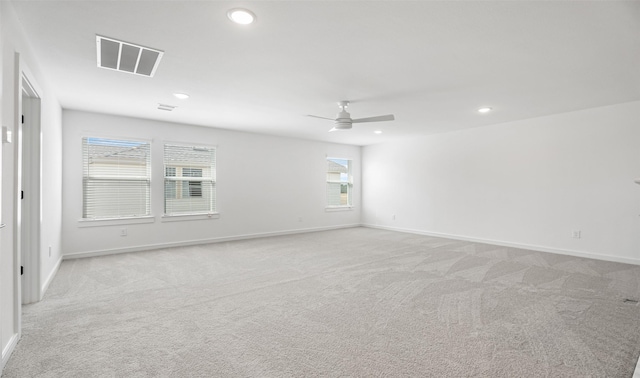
[528, 183]
[264, 184]
[51, 189]
[12, 41]
[7, 326]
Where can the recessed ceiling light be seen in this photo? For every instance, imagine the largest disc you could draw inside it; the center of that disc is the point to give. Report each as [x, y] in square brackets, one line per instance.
[484, 110]
[241, 16]
[377, 132]
[181, 96]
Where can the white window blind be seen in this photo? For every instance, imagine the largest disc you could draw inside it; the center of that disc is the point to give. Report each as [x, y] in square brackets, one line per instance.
[339, 182]
[116, 178]
[190, 180]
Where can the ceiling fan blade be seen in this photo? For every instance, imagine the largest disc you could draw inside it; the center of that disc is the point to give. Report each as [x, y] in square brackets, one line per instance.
[388, 117]
[330, 119]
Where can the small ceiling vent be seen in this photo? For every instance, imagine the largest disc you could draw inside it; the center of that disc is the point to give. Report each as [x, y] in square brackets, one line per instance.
[166, 107]
[127, 57]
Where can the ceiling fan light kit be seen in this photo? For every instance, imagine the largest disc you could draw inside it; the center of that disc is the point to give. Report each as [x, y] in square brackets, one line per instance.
[343, 120]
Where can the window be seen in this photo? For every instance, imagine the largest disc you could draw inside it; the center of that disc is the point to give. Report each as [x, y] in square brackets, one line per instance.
[170, 186]
[189, 180]
[116, 178]
[339, 183]
[192, 172]
[192, 188]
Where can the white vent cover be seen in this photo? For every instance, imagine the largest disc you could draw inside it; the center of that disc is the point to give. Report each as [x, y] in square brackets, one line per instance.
[166, 107]
[127, 57]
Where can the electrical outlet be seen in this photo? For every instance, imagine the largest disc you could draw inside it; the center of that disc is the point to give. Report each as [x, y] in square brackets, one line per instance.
[123, 232]
[576, 234]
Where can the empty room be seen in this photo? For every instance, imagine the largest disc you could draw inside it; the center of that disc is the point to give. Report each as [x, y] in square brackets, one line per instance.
[320, 188]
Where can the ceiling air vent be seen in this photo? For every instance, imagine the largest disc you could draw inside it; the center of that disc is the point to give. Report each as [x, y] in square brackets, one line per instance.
[166, 107]
[127, 57]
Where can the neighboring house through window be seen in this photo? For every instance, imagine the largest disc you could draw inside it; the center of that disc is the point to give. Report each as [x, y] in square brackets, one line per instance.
[191, 188]
[116, 178]
[170, 186]
[339, 183]
[189, 180]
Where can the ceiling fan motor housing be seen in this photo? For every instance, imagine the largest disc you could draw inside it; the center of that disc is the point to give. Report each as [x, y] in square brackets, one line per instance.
[343, 121]
[340, 125]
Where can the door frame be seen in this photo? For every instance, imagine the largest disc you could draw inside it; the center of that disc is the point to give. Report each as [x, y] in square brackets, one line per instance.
[27, 178]
[31, 204]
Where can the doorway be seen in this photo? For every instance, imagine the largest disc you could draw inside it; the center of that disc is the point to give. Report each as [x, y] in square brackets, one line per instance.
[29, 208]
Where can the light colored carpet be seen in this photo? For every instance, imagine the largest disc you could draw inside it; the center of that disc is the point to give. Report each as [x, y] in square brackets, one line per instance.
[353, 302]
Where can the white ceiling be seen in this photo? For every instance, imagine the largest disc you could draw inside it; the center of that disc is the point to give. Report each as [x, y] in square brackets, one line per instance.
[431, 63]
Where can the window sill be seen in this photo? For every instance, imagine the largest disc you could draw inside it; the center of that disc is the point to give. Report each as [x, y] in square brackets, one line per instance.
[338, 208]
[115, 221]
[188, 217]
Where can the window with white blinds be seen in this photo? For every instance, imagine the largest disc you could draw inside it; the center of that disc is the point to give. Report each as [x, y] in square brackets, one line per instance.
[189, 180]
[339, 182]
[116, 178]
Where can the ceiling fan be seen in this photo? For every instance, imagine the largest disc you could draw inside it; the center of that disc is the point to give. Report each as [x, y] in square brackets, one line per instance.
[343, 120]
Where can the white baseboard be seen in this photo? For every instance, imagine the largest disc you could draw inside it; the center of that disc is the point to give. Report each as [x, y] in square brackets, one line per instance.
[8, 349]
[148, 247]
[511, 244]
[317, 229]
[52, 274]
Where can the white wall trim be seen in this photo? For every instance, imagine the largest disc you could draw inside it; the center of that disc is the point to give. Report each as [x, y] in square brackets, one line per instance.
[636, 372]
[338, 208]
[116, 221]
[52, 274]
[6, 352]
[148, 247]
[511, 244]
[188, 217]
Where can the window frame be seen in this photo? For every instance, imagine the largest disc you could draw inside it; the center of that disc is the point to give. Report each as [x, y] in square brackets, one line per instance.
[349, 184]
[110, 220]
[187, 185]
